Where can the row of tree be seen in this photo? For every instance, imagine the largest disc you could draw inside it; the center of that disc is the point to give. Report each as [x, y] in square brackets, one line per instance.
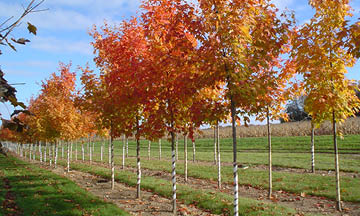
[178, 66]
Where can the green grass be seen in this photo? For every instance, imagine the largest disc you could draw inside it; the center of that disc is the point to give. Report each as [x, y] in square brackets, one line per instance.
[212, 201]
[40, 192]
[348, 162]
[310, 184]
[349, 144]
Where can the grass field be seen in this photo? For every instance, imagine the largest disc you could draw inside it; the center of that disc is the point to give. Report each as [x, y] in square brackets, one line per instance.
[287, 151]
[217, 203]
[34, 191]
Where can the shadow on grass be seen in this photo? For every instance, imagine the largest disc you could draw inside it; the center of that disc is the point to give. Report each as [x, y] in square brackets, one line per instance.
[40, 192]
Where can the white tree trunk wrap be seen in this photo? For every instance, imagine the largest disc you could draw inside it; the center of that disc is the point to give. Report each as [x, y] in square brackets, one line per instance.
[312, 148]
[138, 168]
[127, 147]
[56, 153]
[83, 152]
[149, 149]
[194, 150]
[270, 153]
[40, 152]
[109, 154]
[236, 190]
[123, 153]
[68, 157]
[337, 176]
[173, 178]
[112, 165]
[30, 151]
[45, 152]
[218, 152]
[215, 154]
[50, 154]
[185, 158]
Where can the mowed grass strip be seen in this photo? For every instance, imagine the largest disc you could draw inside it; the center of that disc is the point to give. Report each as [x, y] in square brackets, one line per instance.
[312, 184]
[324, 143]
[212, 201]
[40, 192]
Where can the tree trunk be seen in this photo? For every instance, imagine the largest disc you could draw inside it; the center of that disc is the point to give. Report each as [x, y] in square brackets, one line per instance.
[194, 150]
[185, 158]
[33, 151]
[173, 173]
[215, 155]
[218, 152]
[235, 165]
[109, 154]
[312, 148]
[127, 147]
[270, 156]
[138, 160]
[45, 151]
[149, 149]
[56, 153]
[93, 150]
[112, 164]
[68, 157]
[30, 152]
[53, 151]
[338, 197]
[159, 149]
[82, 151]
[123, 152]
[50, 155]
[40, 152]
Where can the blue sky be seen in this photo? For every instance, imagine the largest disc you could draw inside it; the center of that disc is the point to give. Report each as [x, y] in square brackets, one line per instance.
[63, 36]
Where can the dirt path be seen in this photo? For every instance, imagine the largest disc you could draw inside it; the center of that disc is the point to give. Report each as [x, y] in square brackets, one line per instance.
[303, 204]
[124, 196]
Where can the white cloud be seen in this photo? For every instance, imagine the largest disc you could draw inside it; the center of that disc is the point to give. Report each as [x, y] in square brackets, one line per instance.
[55, 45]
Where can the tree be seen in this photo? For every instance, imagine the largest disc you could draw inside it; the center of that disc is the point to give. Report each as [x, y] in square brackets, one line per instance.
[321, 56]
[234, 42]
[173, 79]
[122, 53]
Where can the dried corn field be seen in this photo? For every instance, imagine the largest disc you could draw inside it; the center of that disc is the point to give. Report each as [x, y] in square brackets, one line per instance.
[350, 126]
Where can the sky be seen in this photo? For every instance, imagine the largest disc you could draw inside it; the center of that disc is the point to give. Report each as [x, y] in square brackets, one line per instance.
[63, 36]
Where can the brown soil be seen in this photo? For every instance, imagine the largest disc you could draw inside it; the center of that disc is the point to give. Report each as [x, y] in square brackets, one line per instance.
[124, 196]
